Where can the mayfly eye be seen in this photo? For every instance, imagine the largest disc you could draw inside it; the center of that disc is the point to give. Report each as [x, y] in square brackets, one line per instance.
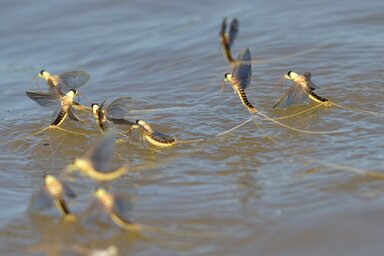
[42, 71]
[289, 73]
[137, 121]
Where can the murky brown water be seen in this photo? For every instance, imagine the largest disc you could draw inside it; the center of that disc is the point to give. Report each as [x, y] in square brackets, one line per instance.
[238, 194]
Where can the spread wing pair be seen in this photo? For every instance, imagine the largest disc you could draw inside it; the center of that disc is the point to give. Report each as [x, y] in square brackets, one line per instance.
[66, 80]
[49, 100]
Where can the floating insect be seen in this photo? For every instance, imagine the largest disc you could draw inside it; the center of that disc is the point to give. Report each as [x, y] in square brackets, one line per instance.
[152, 136]
[115, 206]
[96, 162]
[302, 88]
[227, 38]
[241, 78]
[63, 104]
[115, 112]
[52, 195]
[66, 80]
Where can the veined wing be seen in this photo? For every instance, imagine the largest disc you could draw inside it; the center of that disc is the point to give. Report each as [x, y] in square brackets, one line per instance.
[40, 201]
[44, 99]
[72, 114]
[242, 72]
[310, 84]
[233, 29]
[295, 94]
[120, 107]
[67, 190]
[161, 137]
[101, 155]
[74, 79]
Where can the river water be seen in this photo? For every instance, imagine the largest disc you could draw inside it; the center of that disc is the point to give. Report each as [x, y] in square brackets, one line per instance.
[237, 194]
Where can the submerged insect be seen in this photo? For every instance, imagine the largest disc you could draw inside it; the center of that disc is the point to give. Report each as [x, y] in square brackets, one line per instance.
[302, 88]
[241, 78]
[227, 38]
[96, 162]
[52, 195]
[63, 104]
[152, 136]
[115, 112]
[115, 206]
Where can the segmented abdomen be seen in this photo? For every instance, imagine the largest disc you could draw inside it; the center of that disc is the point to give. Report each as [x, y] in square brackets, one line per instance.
[245, 101]
[60, 118]
[313, 96]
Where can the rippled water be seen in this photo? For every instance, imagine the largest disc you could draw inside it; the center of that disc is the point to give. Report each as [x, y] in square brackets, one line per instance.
[238, 194]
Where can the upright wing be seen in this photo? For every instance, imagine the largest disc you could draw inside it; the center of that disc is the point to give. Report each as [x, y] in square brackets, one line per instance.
[119, 108]
[44, 99]
[295, 94]
[161, 137]
[310, 84]
[233, 29]
[122, 205]
[242, 72]
[40, 201]
[223, 28]
[101, 155]
[72, 114]
[73, 79]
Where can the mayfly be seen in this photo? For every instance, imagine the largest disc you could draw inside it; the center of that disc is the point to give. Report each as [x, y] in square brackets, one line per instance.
[152, 136]
[52, 195]
[65, 81]
[227, 38]
[63, 104]
[96, 162]
[302, 88]
[115, 112]
[241, 78]
[115, 206]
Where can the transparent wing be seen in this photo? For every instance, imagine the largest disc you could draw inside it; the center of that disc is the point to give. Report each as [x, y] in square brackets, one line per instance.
[95, 212]
[68, 191]
[44, 99]
[40, 201]
[242, 72]
[121, 121]
[53, 89]
[234, 28]
[295, 94]
[120, 107]
[101, 155]
[223, 28]
[162, 137]
[310, 84]
[122, 205]
[74, 79]
[72, 114]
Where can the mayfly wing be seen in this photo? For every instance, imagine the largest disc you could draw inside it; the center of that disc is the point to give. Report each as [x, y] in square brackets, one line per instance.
[161, 136]
[295, 94]
[122, 205]
[120, 107]
[122, 121]
[233, 29]
[242, 72]
[223, 28]
[40, 201]
[68, 191]
[53, 89]
[72, 114]
[74, 79]
[44, 99]
[101, 155]
[310, 84]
